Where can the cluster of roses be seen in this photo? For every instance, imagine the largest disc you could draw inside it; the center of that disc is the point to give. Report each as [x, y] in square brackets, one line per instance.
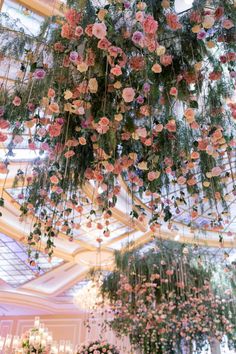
[164, 321]
[98, 348]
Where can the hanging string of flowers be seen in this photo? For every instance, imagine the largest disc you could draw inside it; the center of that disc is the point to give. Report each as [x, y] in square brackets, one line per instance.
[132, 91]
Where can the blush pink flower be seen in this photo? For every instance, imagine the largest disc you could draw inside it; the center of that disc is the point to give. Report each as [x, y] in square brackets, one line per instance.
[3, 137]
[181, 180]
[171, 126]
[69, 154]
[4, 124]
[79, 31]
[54, 130]
[99, 30]
[173, 91]
[104, 121]
[17, 101]
[152, 175]
[150, 26]
[166, 59]
[216, 171]
[227, 24]
[73, 17]
[128, 94]
[116, 71]
[104, 44]
[89, 30]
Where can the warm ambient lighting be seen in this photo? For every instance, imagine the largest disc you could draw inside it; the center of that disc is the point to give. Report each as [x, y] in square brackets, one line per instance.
[89, 297]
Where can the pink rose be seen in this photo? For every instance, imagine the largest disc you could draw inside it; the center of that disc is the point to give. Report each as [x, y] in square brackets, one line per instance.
[166, 59]
[173, 91]
[69, 154]
[3, 137]
[4, 124]
[158, 128]
[79, 31]
[216, 171]
[150, 25]
[153, 175]
[104, 121]
[54, 130]
[104, 44]
[17, 101]
[171, 126]
[128, 94]
[66, 31]
[73, 17]
[99, 30]
[181, 180]
[116, 71]
[227, 24]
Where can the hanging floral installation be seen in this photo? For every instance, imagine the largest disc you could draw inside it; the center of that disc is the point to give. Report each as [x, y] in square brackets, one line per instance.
[168, 298]
[130, 92]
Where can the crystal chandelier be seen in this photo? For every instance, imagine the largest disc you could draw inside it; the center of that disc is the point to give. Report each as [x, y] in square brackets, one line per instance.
[89, 297]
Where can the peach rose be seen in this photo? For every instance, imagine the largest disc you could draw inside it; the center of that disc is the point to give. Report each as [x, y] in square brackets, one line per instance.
[156, 68]
[54, 179]
[128, 94]
[102, 14]
[139, 16]
[54, 108]
[195, 155]
[51, 93]
[93, 85]
[66, 31]
[189, 115]
[69, 154]
[82, 141]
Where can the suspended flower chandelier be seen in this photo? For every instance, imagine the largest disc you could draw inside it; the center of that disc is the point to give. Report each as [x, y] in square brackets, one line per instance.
[104, 112]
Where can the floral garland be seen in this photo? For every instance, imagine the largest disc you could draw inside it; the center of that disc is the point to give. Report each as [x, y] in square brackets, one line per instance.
[125, 97]
[98, 348]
